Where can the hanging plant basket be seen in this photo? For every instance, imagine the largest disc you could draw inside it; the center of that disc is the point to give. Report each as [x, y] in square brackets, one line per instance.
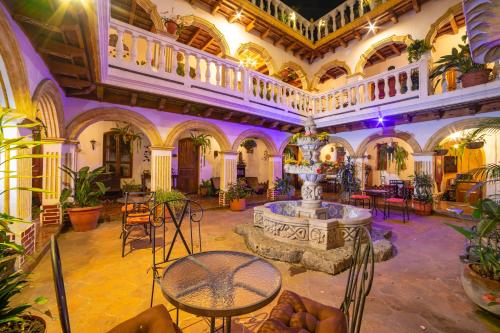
[390, 149]
[249, 145]
[474, 145]
[441, 152]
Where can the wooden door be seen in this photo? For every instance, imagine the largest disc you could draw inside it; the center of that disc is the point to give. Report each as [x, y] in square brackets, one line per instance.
[188, 166]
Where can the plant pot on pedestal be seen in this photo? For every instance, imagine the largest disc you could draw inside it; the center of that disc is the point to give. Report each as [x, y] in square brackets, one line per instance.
[422, 208]
[477, 287]
[84, 219]
[474, 78]
[474, 145]
[171, 27]
[441, 152]
[238, 205]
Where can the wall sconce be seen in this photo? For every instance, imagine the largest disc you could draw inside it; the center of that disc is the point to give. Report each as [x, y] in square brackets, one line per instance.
[216, 153]
[92, 143]
[332, 149]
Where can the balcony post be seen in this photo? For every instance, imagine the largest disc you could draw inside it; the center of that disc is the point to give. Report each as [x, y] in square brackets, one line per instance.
[149, 44]
[218, 74]
[423, 76]
[133, 50]
[161, 63]
[207, 72]
[175, 62]
[198, 69]
[186, 66]
[244, 83]
[119, 45]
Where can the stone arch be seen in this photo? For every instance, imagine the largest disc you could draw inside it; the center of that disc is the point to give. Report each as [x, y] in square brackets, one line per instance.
[214, 130]
[406, 39]
[257, 134]
[332, 139]
[405, 136]
[82, 121]
[212, 30]
[440, 22]
[445, 131]
[299, 70]
[49, 108]
[260, 50]
[13, 59]
[325, 68]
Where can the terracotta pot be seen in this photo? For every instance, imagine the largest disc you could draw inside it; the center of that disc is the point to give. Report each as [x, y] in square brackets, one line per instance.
[238, 205]
[34, 324]
[84, 219]
[171, 27]
[474, 145]
[203, 191]
[422, 208]
[474, 78]
[451, 79]
[476, 286]
[441, 152]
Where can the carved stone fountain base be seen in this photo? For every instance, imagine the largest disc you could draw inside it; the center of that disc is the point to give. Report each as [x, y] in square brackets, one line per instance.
[331, 226]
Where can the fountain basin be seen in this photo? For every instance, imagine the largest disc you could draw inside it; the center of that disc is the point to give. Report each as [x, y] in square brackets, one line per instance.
[328, 227]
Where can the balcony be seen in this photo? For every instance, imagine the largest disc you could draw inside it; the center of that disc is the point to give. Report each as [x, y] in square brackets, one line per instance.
[144, 61]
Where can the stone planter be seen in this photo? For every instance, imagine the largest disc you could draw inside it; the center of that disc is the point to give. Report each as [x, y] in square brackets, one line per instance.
[422, 208]
[476, 287]
[238, 205]
[474, 78]
[84, 219]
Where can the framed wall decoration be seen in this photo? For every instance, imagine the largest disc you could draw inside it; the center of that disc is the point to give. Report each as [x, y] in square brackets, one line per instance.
[450, 164]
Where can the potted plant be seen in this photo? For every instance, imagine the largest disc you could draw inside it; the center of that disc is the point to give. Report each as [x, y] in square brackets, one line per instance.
[128, 135]
[366, 6]
[203, 142]
[347, 177]
[236, 195]
[162, 196]
[422, 197]
[249, 145]
[460, 59]
[415, 52]
[82, 200]
[399, 156]
[440, 150]
[481, 273]
[205, 188]
[284, 188]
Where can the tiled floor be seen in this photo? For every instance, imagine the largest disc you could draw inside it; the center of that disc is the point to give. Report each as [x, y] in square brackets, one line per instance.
[417, 291]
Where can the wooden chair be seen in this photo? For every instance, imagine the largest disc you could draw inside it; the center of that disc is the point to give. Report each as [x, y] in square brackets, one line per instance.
[398, 198]
[135, 213]
[153, 320]
[295, 313]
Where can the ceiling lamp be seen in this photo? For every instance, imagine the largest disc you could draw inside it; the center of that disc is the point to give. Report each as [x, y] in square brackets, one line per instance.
[238, 14]
[372, 27]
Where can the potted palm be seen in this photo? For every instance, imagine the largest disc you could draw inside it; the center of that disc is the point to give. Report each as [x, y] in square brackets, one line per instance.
[422, 197]
[82, 200]
[481, 273]
[461, 60]
[284, 188]
[415, 52]
[236, 194]
[205, 188]
[203, 142]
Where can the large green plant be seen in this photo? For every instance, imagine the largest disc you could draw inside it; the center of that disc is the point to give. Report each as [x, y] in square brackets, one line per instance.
[459, 59]
[202, 141]
[237, 191]
[399, 156]
[423, 187]
[13, 149]
[417, 49]
[128, 135]
[85, 191]
[347, 177]
[174, 197]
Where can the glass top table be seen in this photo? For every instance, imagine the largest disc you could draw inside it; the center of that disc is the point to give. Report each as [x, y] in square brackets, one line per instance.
[220, 284]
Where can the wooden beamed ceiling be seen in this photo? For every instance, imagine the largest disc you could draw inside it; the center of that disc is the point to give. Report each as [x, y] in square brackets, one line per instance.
[333, 73]
[386, 52]
[268, 28]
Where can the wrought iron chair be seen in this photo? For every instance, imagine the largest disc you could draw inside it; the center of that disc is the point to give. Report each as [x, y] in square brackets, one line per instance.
[153, 320]
[135, 213]
[400, 198]
[173, 212]
[360, 197]
[308, 315]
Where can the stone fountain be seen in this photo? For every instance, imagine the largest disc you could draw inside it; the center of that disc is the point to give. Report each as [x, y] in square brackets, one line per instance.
[310, 221]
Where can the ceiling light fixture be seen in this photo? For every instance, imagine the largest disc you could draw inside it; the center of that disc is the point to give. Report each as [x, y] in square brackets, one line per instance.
[238, 14]
[371, 27]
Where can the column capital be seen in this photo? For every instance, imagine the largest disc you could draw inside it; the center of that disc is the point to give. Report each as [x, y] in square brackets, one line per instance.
[162, 148]
[229, 153]
[57, 140]
[424, 153]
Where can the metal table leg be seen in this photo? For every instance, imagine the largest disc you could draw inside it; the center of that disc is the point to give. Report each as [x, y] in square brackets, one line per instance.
[212, 325]
[228, 325]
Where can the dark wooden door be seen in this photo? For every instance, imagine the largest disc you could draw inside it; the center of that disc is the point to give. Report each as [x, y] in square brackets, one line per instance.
[188, 166]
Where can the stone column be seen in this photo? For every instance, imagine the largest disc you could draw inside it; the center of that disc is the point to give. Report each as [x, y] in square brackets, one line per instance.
[161, 168]
[275, 171]
[52, 180]
[227, 174]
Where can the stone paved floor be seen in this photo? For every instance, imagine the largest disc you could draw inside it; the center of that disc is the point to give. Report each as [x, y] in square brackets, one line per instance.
[417, 291]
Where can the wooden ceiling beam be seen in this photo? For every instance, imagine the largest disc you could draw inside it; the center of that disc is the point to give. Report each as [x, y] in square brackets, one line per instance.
[278, 41]
[265, 33]
[260, 122]
[186, 108]
[162, 103]
[416, 5]
[133, 99]
[379, 55]
[274, 124]
[193, 37]
[133, 7]
[342, 42]
[453, 24]
[216, 7]
[66, 68]
[286, 127]
[207, 44]
[208, 112]
[395, 49]
[100, 93]
[393, 16]
[357, 35]
[290, 46]
[250, 25]
[245, 119]
[228, 115]
[33, 22]
[68, 82]
[60, 49]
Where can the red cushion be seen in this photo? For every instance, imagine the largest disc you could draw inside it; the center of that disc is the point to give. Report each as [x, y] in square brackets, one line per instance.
[359, 196]
[395, 200]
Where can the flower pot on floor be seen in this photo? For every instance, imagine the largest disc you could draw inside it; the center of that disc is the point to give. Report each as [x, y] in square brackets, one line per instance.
[238, 205]
[477, 287]
[422, 208]
[474, 78]
[84, 219]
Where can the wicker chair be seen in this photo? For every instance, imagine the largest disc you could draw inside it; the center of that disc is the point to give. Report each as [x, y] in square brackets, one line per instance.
[153, 320]
[294, 313]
